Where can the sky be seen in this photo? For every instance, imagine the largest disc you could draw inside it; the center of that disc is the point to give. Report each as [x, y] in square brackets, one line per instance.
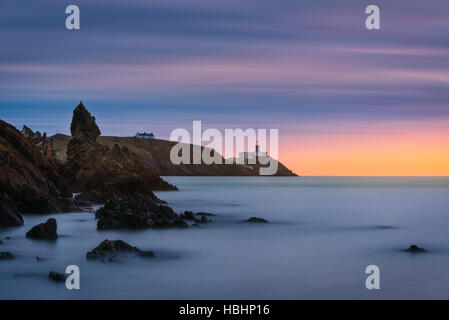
[346, 100]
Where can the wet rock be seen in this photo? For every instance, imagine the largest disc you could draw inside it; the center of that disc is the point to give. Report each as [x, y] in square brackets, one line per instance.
[83, 124]
[56, 276]
[9, 217]
[45, 230]
[256, 220]
[4, 255]
[415, 249]
[111, 250]
[207, 214]
[204, 219]
[196, 217]
[136, 212]
[189, 215]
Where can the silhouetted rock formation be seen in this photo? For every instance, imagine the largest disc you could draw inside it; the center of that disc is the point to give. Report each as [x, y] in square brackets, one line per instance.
[56, 276]
[83, 124]
[46, 231]
[136, 212]
[4, 255]
[414, 248]
[29, 182]
[189, 215]
[110, 250]
[101, 173]
[256, 220]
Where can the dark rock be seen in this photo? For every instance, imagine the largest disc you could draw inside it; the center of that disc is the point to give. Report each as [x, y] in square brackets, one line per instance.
[39, 258]
[136, 212]
[43, 143]
[101, 173]
[9, 217]
[29, 182]
[207, 214]
[45, 230]
[414, 248]
[7, 238]
[110, 250]
[83, 124]
[1, 242]
[56, 276]
[4, 255]
[189, 215]
[204, 219]
[256, 220]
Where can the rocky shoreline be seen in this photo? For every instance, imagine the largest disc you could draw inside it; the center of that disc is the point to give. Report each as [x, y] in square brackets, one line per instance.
[32, 180]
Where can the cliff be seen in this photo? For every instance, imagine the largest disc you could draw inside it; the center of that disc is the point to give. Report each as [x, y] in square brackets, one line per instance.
[155, 155]
[101, 172]
[29, 182]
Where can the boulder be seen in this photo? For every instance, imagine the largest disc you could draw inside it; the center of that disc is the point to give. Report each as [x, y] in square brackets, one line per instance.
[256, 220]
[189, 215]
[45, 230]
[415, 249]
[111, 250]
[4, 255]
[136, 212]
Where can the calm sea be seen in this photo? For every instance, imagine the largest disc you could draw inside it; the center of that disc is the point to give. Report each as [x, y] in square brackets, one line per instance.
[323, 233]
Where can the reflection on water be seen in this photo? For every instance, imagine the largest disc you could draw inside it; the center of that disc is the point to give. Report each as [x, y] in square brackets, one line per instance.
[322, 235]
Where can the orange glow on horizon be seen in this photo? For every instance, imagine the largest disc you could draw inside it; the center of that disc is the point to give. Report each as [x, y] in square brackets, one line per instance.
[422, 151]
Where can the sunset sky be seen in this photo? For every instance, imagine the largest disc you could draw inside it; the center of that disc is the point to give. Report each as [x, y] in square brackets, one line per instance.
[346, 100]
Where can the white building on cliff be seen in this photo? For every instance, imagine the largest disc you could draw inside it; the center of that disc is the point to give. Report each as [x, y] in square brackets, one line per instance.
[144, 135]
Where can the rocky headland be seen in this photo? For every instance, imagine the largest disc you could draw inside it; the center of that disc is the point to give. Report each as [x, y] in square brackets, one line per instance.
[29, 181]
[101, 173]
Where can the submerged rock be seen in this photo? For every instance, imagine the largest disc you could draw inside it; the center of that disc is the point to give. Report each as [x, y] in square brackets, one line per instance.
[45, 230]
[256, 220]
[136, 212]
[4, 255]
[110, 250]
[414, 248]
[56, 276]
[207, 214]
[196, 217]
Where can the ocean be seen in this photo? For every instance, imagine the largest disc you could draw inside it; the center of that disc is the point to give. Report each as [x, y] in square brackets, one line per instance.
[322, 234]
